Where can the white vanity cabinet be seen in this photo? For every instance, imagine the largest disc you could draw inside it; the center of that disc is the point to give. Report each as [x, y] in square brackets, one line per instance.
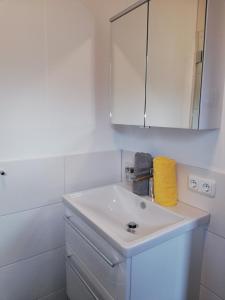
[167, 64]
[97, 270]
[94, 268]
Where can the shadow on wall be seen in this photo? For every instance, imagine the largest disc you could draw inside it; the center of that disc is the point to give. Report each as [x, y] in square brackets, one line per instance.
[186, 146]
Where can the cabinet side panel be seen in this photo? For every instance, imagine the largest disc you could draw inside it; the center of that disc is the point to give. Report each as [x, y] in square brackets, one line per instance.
[170, 271]
[214, 66]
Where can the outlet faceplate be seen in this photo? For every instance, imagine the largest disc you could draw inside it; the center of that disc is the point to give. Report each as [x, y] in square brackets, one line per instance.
[201, 185]
[193, 183]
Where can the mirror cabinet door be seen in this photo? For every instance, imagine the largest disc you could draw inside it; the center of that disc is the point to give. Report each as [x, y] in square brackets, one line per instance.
[175, 51]
[128, 67]
[200, 42]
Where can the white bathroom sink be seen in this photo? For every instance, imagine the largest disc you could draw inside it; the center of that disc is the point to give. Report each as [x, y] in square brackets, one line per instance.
[109, 209]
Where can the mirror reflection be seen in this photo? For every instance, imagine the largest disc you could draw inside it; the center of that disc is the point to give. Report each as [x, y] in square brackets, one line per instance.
[157, 63]
[129, 34]
[176, 35]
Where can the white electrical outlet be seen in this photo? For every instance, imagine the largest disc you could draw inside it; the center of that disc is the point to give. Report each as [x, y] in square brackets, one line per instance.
[207, 187]
[201, 185]
[193, 182]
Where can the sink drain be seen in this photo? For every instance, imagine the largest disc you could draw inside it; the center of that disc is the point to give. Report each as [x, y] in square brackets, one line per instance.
[131, 226]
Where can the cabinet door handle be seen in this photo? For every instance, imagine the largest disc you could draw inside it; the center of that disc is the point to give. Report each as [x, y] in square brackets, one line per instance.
[75, 270]
[102, 255]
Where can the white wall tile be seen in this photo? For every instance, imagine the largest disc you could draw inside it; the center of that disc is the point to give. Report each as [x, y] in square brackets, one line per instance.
[30, 233]
[58, 295]
[206, 294]
[216, 206]
[30, 184]
[213, 270]
[92, 169]
[33, 278]
[217, 224]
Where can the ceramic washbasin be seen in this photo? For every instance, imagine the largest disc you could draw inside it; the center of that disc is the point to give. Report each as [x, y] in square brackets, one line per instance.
[109, 209]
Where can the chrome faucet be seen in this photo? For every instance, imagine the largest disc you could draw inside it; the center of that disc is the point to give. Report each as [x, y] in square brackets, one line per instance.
[146, 174]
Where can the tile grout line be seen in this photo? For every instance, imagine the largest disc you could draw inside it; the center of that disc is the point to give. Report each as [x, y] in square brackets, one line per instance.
[60, 197]
[211, 291]
[53, 293]
[216, 234]
[61, 155]
[31, 257]
[34, 208]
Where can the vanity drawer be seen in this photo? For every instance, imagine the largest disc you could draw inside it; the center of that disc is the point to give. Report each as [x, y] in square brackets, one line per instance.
[87, 281]
[112, 272]
[77, 286]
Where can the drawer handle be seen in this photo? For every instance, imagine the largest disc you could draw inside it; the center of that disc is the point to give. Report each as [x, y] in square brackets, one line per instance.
[106, 259]
[81, 278]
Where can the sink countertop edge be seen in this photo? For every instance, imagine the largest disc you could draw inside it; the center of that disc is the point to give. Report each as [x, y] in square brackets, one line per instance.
[192, 218]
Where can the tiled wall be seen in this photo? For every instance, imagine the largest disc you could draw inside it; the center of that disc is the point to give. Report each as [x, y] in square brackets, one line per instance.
[213, 269]
[31, 219]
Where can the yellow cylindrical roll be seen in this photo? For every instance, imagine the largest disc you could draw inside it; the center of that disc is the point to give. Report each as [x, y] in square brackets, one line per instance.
[165, 181]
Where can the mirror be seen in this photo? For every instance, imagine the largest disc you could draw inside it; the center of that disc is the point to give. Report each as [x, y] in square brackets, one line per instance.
[175, 49]
[128, 66]
[157, 63]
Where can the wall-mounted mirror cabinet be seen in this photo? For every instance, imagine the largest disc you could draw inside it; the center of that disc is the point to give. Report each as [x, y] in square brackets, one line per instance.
[167, 68]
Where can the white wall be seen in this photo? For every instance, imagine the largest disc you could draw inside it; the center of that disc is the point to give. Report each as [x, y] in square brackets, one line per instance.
[54, 87]
[53, 84]
[203, 149]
